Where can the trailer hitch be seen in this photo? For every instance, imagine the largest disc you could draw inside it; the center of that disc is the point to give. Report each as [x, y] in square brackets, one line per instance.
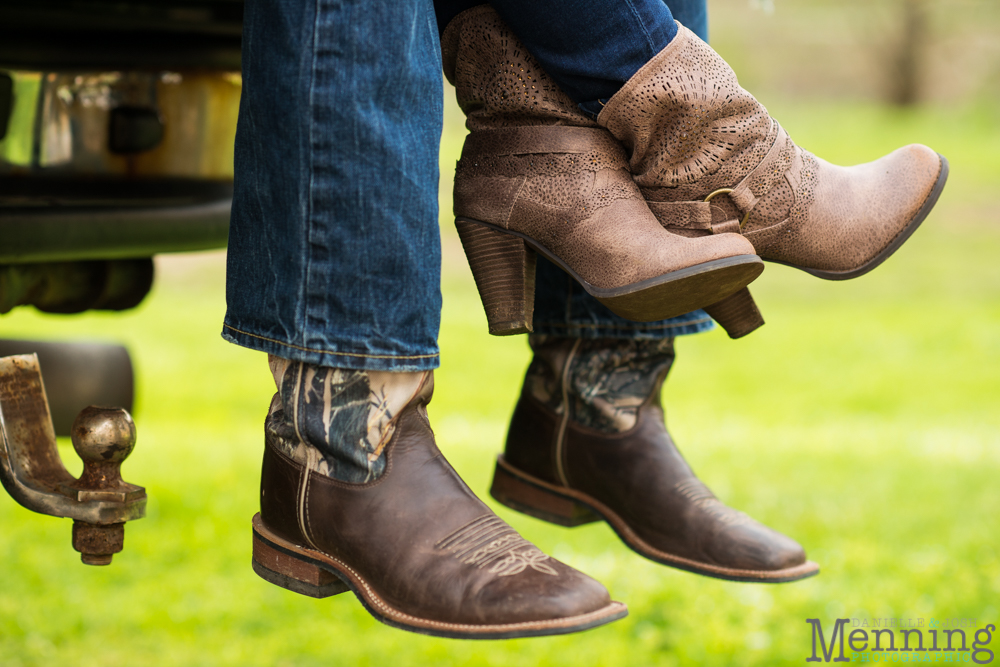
[99, 502]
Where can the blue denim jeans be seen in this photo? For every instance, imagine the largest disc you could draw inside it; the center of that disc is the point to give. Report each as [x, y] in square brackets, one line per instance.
[334, 254]
[334, 249]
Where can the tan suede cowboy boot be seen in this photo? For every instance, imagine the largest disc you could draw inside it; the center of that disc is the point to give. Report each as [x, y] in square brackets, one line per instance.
[355, 495]
[587, 442]
[536, 175]
[709, 159]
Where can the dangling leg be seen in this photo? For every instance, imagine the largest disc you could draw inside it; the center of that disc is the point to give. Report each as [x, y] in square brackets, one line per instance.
[334, 270]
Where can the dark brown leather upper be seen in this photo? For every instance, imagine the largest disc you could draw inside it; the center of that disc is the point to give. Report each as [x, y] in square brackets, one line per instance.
[420, 538]
[642, 477]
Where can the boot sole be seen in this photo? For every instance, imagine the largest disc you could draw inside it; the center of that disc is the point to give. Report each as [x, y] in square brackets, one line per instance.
[668, 295]
[566, 507]
[894, 245]
[315, 574]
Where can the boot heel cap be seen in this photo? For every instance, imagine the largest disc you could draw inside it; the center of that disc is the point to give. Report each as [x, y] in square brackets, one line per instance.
[533, 500]
[292, 573]
[737, 314]
[504, 271]
[300, 587]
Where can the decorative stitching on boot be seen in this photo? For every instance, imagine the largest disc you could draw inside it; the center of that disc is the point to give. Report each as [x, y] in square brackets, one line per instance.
[699, 495]
[489, 542]
[564, 401]
[303, 499]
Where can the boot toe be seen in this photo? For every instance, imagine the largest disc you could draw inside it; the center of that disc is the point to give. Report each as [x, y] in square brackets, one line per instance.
[754, 546]
[540, 595]
[701, 249]
[911, 173]
[860, 215]
[733, 244]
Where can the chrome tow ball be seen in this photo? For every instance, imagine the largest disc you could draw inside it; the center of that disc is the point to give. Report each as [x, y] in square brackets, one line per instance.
[100, 501]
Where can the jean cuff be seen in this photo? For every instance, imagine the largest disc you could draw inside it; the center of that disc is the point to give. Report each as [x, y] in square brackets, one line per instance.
[360, 359]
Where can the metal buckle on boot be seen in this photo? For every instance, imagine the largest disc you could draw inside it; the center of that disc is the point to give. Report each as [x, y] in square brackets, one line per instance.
[726, 191]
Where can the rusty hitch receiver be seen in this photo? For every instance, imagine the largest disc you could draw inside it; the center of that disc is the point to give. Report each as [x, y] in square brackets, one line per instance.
[99, 502]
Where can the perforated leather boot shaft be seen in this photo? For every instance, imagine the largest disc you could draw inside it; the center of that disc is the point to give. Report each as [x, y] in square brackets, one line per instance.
[497, 82]
[709, 159]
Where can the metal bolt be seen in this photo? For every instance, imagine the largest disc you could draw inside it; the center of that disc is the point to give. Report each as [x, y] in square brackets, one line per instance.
[97, 544]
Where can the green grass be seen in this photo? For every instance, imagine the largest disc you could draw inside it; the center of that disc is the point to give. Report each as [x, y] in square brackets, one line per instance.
[863, 420]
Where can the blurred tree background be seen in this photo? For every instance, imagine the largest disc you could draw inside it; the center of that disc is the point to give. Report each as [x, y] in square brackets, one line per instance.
[900, 52]
[862, 420]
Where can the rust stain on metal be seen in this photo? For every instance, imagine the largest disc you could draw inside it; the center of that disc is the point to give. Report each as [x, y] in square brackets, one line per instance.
[100, 501]
[97, 544]
[27, 424]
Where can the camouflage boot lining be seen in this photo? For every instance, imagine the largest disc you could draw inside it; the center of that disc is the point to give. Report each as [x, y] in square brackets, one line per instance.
[346, 416]
[603, 382]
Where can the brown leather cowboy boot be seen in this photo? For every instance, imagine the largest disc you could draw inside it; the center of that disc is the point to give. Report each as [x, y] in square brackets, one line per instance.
[709, 159]
[536, 175]
[587, 442]
[356, 496]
